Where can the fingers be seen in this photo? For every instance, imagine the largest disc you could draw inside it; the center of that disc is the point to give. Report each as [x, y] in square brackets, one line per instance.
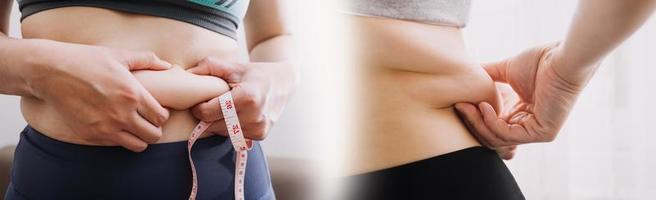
[462, 110]
[509, 99]
[218, 128]
[474, 118]
[228, 71]
[497, 70]
[473, 121]
[150, 109]
[144, 130]
[145, 61]
[507, 134]
[257, 130]
[208, 111]
[507, 153]
[130, 141]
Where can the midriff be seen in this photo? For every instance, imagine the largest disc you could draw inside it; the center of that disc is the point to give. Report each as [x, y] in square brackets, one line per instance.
[410, 76]
[180, 43]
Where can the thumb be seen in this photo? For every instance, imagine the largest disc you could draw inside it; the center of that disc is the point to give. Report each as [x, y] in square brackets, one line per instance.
[228, 71]
[497, 70]
[145, 61]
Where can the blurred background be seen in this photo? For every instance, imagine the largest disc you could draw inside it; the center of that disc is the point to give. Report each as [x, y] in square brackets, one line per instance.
[606, 149]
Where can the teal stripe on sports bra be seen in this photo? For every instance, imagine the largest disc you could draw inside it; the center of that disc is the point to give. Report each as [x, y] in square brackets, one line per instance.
[234, 7]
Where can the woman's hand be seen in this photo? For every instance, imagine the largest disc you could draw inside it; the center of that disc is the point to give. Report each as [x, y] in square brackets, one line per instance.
[178, 89]
[260, 91]
[545, 100]
[94, 92]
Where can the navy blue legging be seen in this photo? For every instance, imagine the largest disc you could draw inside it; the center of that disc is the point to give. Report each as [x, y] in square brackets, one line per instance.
[45, 168]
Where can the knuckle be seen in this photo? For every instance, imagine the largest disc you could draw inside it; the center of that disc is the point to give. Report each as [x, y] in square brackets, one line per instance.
[259, 119]
[209, 60]
[139, 147]
[260, 134]
[104, 130]
[162, 117]
[206, 114]
[509, 156]
[149, 55]
[250, 100]
[152, 138]
[261, 130]
[496, 144]
[129, 94]
[549, 137]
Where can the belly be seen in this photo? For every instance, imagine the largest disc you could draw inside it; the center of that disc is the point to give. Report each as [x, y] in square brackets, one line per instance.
[410, 76]
[179, 43]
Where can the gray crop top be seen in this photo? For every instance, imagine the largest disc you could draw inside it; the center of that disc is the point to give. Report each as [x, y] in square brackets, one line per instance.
[440, 12]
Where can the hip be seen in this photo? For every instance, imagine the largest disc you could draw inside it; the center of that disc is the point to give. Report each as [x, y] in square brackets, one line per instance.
[472, 173]
[410, 75]
[45, 168]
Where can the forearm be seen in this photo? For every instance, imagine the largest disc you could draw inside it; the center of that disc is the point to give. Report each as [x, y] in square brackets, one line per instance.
[5, 13]
[15, 63]
[598, 27]
[278, 52]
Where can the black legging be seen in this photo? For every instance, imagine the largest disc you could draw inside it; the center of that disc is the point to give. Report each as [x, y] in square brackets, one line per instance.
[472, 173]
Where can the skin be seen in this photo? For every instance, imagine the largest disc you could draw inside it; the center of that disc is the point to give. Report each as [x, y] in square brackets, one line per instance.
[548, 79]
[407, 89]
[110, 31]
[98, 102]
[410, 88]
[262, 86]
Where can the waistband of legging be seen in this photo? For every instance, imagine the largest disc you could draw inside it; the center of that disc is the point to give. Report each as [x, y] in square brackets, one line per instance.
[447, 159]
[204, 147]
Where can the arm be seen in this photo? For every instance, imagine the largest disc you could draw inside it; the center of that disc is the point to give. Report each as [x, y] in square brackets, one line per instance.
[267, 34]
[261, 87]
[103, 102]
[12, 81]
[5, 8]
[599, 26]
[548, 79]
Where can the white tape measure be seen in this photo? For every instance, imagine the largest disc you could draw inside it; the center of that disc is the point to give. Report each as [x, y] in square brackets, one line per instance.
[239, 143]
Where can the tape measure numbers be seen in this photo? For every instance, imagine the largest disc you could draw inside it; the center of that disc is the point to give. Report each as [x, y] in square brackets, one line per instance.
[239, 143]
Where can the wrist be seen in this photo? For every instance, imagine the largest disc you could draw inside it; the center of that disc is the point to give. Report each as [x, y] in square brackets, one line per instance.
[288, 74]
[573, 71]
[32, 57]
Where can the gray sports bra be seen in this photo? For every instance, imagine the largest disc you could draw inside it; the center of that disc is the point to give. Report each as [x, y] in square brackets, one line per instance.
[439, 12]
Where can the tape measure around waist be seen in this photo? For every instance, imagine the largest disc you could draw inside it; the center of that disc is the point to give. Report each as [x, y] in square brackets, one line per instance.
[239, 143]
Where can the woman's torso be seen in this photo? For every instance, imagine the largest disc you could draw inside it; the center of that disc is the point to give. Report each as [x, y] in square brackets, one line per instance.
[179, 43]
[411, 74]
